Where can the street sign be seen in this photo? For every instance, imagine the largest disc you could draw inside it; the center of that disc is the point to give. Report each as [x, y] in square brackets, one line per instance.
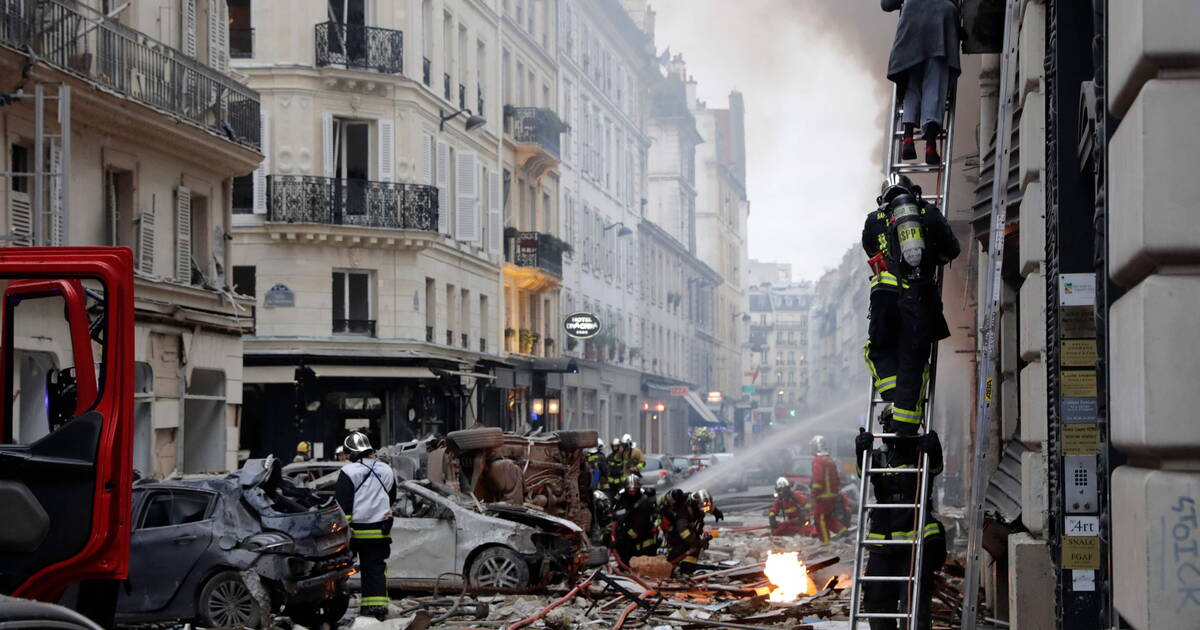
[679, 390]
[581, 325]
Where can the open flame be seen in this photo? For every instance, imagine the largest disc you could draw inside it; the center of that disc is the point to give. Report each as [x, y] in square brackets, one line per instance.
[789, 576]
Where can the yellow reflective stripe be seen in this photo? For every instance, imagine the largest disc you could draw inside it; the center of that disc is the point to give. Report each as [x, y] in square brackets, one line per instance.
[885, 384]
[815, 486]
[376, 601]
[646, 543]
[909, 416]
[687, 533]
[632, 532]
[789, 510]
[874, 536]
[349, 517]
[870, 366]
[368, 534]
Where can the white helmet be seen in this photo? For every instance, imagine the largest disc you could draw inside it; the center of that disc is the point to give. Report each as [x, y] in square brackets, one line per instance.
[627, 439]
[616, 442]
[357, 443]
[818, 445]
[783, 484]
[599, 444]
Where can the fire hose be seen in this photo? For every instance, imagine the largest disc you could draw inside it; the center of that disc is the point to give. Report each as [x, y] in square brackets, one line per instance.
[555, 604]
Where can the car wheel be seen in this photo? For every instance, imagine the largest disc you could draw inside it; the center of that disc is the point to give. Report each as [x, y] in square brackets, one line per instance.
[499, 567]
[476, 439]
[577, 439]
[226, 602]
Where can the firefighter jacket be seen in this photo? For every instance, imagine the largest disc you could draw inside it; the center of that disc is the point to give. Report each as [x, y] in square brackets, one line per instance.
[598, 469]
[635, 520]
[365, 491]
[825, 481]
[682, 523]
[790, 508]
[898, 523]
[875, 244]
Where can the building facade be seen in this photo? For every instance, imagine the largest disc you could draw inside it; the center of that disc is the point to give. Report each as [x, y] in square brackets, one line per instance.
[371, 238]
[143, 131]
[779, 331]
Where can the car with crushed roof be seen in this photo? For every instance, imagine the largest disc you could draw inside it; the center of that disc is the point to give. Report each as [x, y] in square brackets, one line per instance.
[439, 532]
[228, 550]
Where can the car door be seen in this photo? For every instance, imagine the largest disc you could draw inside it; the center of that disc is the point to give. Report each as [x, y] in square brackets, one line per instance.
[423, 537]
[66, 464]
[173, 530]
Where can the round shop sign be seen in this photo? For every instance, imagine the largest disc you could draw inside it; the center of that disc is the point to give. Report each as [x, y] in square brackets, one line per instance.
[582, 325]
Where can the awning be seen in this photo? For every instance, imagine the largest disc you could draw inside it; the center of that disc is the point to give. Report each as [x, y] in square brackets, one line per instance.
[698, 405]
[371, 371]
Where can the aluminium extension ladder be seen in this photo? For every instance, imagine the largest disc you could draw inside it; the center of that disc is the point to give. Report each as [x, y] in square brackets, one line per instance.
[937, 176]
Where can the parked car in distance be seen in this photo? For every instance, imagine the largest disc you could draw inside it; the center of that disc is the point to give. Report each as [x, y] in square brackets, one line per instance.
[680, 463]
[439, 531]
[220, 550]
[659, 472]
[731, 475]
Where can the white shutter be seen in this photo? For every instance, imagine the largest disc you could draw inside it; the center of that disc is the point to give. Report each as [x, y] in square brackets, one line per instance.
[223, 37]
[264, 167]
[183, 235]
[466, 224]
[387, 150]
[427, 159]
[20, 219]
[214, 40]
[58, 223]
[146, 242]
[327, 143]
[495, 216]
[443, 185]
[187, 27]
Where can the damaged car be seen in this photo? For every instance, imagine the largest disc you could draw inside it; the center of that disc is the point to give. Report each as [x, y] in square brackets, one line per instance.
[229, 551]
[438, 532]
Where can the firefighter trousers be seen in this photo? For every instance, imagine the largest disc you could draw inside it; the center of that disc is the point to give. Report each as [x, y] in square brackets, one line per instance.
[825, 515]
[897, 355]
[892, 597]
[372, 563]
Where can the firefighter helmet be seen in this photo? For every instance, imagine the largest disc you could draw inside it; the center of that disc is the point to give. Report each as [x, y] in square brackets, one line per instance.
[782, 484]
[818, 445]
[302, 447]
[627, 439]
[616, 442]
[704, 499]
[357, 443]
[633, 484]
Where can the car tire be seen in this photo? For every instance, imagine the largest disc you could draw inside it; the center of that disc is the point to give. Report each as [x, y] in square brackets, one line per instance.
[499, 567]
[585, 438]
[226, 602]
[476, 439]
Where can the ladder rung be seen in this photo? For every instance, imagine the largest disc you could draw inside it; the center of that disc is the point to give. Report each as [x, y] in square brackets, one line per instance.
[916, 168]
[885, 578]
[893, 470]
[867, 615]
[892, 436]
[893, 506]
[888, 542]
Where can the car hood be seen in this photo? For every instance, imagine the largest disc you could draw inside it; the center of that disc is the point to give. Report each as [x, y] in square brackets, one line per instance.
[530, 516]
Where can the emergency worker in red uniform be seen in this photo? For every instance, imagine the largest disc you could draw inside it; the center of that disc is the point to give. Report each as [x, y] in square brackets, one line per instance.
[825, 485]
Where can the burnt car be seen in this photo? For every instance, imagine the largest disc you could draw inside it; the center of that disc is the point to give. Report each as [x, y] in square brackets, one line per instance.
[227, 551]
[546, 471]
[438, 531]
[301, 473]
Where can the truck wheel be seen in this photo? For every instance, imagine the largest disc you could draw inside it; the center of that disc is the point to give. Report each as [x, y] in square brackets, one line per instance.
[226, 602]
[476, 439]
[577, 439]
[499, 567]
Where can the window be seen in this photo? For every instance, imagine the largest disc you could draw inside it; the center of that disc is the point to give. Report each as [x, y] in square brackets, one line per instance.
[19, 162]
[241, 35]
[244, 279]
[430, 308]
[204, 265]
[118, 208]
[352, 303]
[175, 507]
[351, 149]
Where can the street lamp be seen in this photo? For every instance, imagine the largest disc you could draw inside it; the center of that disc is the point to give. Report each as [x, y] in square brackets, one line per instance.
[624, 231]
[474, 121]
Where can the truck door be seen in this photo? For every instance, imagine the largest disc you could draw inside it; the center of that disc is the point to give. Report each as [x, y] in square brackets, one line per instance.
[66, 459]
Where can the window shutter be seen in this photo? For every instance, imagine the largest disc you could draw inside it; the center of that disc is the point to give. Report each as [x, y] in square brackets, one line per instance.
[20, 219]
[466, 225]
[183, 235]
[214, 37]
[495, 216]
[146, 242]
[327, 143]
[443, 185]
[387, 150]
[187, 27]
[427, 159]
[264, 167]
[58, 222]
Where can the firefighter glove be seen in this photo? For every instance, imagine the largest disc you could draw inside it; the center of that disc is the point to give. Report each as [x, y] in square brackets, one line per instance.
[929, 443]
[863, 441]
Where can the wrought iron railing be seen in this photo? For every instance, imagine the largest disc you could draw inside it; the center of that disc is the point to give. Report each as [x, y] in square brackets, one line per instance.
[534, 249]
[362, 203]
[241, 43]
[360, 47]
[536, 125]
[354, 327]
[426, 72]
[83, 42]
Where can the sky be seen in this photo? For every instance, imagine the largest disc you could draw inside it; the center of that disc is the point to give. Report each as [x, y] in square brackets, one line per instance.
[812, 74]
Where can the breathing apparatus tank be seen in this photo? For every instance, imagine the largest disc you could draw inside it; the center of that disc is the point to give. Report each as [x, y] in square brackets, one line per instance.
[909, 230]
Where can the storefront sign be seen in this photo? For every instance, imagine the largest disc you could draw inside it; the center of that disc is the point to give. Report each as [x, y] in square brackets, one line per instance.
[1081, 552]
[1078, 410]
[581, 325]
[1077, 289]
[1080, 439]
[279, 296]
[679, 390]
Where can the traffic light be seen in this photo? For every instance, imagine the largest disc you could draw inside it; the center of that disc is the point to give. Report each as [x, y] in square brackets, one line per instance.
[792, 413]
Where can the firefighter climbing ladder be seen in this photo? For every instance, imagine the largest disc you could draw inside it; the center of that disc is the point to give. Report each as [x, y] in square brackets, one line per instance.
[939, 176]
[991, 318]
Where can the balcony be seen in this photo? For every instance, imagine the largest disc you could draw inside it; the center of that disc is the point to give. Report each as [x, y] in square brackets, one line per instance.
[80, 41]
[360, 47]
[536, 133]
[364, 327]
[359, 203]
[534, 259]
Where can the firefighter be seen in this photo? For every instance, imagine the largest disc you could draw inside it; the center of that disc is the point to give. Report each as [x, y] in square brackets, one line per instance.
[793, 506]
[825, 487]
[366, 490]
[303, 452]
[598, 465]
[602, 516]
[906, 240]
[635, 532]
[636, 456]
[899, 523]
[616, 468]
[682, 523]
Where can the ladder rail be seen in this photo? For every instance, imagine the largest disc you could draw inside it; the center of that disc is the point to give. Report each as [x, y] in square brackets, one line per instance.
[986, 371]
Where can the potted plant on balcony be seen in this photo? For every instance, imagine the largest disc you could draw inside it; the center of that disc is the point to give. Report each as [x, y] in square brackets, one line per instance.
[533, 342]
[572, 343]
[525, 341]
[558, 244]
[549, 343]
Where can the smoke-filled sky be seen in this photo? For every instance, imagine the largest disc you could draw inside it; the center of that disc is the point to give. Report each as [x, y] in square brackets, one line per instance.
[812, 72]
